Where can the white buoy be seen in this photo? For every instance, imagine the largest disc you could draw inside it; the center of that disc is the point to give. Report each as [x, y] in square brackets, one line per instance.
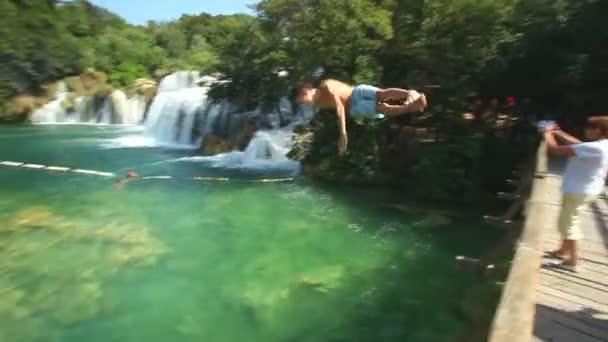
[157, 177]
[33, 166]
[214, 179]
[10, 163]
[93, 172]
[58, 168]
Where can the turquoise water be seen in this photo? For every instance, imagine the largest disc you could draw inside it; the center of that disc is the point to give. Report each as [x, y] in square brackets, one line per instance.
[183, 260]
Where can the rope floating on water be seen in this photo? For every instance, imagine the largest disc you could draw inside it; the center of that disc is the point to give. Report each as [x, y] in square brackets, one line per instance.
[56, 169]
[109, 174]
[223, 179]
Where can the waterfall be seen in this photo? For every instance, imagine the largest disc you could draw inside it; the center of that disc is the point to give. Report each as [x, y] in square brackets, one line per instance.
[267, 151]
[117, 108]
[269, 145]
[128, 111]
[173, 112]
[182, 113]
[180, 80]
[54, 111]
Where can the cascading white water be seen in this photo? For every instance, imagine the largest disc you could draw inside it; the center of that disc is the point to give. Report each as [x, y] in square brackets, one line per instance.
[116, 109]
[269, 145]
[128, 111]
[180, 102]
[54, 111]
[267, 151]
[173, 111]
[180, 80]
[181, 114]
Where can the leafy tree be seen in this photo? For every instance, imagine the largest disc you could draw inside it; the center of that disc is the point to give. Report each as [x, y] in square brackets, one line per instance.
[170, 37]
[131, 44]
[126, 73]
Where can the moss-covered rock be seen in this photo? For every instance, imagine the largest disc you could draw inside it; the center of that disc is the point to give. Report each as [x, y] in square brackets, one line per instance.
[212, 145]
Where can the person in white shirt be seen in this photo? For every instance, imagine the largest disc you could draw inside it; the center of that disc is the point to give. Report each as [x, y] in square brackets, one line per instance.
[582, 182]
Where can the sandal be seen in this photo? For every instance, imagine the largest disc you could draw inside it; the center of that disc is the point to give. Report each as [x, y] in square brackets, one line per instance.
[567, 266]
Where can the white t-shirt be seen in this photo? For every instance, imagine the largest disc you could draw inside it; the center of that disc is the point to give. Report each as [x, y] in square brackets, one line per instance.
[586, 171]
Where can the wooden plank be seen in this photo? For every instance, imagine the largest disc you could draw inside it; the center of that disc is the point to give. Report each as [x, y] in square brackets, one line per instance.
[574, 298]
[566, 306]
[571, 286]
[555, 326]
[583, 277]
[582, 314]
[514, 318]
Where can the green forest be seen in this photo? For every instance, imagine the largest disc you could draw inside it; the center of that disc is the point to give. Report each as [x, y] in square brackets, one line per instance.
[552, 53]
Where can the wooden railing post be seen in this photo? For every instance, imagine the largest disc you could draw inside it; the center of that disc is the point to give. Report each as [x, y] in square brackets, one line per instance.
[514, 319]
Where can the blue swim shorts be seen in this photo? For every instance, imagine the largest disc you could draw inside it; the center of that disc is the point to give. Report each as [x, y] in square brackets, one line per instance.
[363, 102]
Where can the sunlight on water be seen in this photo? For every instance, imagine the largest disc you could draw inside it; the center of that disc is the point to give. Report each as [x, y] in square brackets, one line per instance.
[176, 260]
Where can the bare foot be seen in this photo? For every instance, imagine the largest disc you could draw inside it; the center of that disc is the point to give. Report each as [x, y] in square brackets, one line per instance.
[419, 103]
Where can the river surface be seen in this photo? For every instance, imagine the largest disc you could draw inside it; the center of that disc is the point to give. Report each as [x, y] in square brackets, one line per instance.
[213, 260]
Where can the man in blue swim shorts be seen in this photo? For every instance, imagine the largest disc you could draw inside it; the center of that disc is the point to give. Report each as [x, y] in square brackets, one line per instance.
[362, 101]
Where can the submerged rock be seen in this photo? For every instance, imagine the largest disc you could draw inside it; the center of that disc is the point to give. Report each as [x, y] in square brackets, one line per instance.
[62, 258]
[36, 216]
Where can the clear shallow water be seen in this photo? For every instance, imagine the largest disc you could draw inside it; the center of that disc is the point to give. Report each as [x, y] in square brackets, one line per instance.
[178, 260]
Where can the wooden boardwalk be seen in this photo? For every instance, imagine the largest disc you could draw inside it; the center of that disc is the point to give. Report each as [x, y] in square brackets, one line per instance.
[573, 306]
[542, 302]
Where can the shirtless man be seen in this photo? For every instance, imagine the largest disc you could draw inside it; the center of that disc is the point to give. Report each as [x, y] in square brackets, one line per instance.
[360, 101]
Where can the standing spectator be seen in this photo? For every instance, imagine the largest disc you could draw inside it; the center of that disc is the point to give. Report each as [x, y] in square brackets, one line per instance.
[583, 181]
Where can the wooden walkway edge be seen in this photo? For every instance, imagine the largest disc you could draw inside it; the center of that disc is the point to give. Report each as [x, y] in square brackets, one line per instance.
[541, 302]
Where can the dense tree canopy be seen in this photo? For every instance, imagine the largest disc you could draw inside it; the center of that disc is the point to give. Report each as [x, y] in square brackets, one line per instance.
[533, 48]
[554, 53]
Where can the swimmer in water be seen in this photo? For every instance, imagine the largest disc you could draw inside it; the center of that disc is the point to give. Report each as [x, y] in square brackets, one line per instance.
[131, 176]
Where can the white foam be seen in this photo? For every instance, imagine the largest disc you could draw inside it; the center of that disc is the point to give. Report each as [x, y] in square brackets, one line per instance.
[142, 141]
[238, 160]
[266, 151]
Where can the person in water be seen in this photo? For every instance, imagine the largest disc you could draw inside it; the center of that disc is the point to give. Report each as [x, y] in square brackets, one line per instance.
[360, 101]
[131, 176]
[582, 182]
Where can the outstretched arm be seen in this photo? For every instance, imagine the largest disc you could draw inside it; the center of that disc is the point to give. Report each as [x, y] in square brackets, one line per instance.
[567, 138]
[554, 148]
